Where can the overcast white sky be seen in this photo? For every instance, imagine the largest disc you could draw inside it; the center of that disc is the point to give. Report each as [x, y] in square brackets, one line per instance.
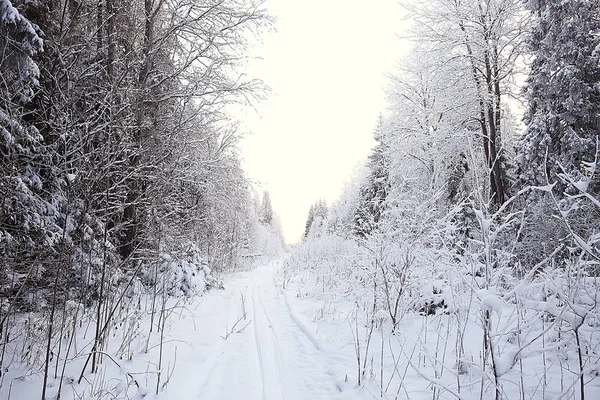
[325, 64]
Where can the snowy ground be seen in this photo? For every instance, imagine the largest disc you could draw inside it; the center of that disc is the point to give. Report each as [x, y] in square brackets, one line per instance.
[256, 339]
[270, 354]
[419, 360]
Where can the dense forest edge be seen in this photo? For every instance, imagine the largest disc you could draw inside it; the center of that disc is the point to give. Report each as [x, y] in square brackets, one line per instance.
[464, 257]
[121, 182]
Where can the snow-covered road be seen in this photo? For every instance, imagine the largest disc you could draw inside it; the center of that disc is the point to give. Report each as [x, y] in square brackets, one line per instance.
[271, 354]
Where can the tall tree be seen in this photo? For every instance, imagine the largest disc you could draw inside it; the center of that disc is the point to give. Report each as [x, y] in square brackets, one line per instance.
[29, 218]
[563, 125]
[266, 210]
[563, 90]
[482, 40]
[374, 192]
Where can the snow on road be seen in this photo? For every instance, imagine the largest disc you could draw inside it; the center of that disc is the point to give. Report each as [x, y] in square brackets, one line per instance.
[271, 354]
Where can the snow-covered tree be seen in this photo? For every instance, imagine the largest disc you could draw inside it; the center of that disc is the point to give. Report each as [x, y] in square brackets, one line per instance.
[266, 210]
[317, 217]
[563, 114]
[563, 90]
[309, 220]
[30, 207]
[481, 41]
[20, 43]
[375, 190]
[115, 148]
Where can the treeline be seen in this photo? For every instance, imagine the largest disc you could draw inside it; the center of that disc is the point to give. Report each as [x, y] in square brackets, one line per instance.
[451, 141]
[116, 148]
[119, 166]
[467, 212]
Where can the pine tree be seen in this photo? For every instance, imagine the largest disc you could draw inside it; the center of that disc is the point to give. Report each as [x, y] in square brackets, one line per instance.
[266, 210]
[563, 90]
[20, 42]
[374, 193]
[563, 122]
[28, 216]
[317, 215]
[309, 220]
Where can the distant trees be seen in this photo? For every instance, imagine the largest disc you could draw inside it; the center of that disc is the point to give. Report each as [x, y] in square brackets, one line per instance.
[266, 210]
[266, 235]
[317, 214]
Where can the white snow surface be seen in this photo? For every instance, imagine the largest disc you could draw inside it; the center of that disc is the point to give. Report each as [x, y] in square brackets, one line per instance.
[298, 341]
[271, 355]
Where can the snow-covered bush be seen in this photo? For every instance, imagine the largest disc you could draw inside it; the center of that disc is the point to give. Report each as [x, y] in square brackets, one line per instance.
[432, 298]
[324, 258]
[183, 272]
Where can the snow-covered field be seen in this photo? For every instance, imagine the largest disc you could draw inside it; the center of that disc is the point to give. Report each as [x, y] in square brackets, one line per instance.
[263, 337]
[241, 342]
[528, 338]
[419, 360]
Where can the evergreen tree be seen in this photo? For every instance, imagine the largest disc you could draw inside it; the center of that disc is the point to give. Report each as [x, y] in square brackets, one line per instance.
[563, 122]
[19, 42]
[317, 215]
[374, 193]
[563, 90]
[266, 210]
[29, 210]
[309, 220]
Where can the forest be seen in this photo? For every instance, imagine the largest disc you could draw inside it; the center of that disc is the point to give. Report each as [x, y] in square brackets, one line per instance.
[462, 261]
[472, 234]
[121, 174]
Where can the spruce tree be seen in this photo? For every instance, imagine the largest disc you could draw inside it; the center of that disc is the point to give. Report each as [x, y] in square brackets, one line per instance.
[563, 123]
[317, 216]
[309, 220]
[28, 214]
[374, 193]
[266, 210]
[563, 90]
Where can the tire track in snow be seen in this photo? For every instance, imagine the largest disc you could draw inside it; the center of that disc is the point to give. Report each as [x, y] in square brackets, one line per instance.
[282, 380]
[285, 353]
[307, 333]
[261, 362]
[279, 360]
[303, 328]
[312, 376]
[234, 368]
[215, 358]
[267, 315]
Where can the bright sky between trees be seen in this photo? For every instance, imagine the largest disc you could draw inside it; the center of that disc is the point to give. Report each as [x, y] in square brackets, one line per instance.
[326, 65]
